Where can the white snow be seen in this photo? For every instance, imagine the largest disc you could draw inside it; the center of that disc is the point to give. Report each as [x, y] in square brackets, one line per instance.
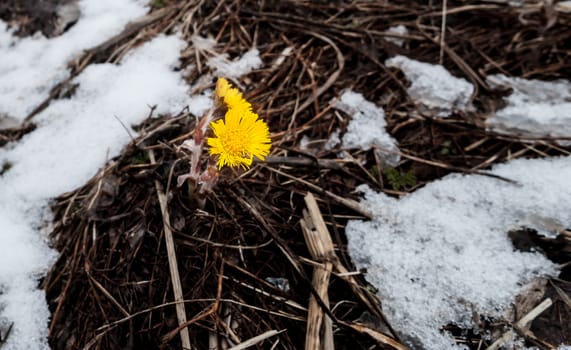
[366, 129]
[224, 67]
[74, 138]
[333, 140]
[31, 66]
[198, 105]
[398, 30]
[442, 253]
[535, 108]
[203, 44]
[433, 87]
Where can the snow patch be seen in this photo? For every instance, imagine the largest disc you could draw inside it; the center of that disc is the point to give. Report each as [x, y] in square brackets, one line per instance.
[233, 69]
[88, 126]
[367, 127]
[398, 30]
[198, 105]
[442, 252]
[74, 138]
[203, 44]
[30, 67]
[535, 108]
[333, 141]
[433, 87]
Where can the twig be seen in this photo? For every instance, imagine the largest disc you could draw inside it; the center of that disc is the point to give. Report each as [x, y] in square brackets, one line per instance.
[321, 248]
[93, 340]
[349, 203]
[173, 265]
[532, 315]
[255, 340]
[109, 326]
[443, 32]
[521, 324]
[297, 161]
[455, 168]
[203, 314]
[4, 338]
[108, 295]
[280, 299]
[564, 297]
[332, 78]
[63, 294]
[270, 229]
[378, 336]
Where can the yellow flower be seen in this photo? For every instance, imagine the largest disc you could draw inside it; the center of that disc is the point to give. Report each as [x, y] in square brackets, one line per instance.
[241, 135]
[232, 97]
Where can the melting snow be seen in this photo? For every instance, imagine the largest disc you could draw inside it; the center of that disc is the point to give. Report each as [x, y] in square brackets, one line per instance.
[535, 108]
[442, 252]
[366, 128]
[31, 66]
[433, 87]
[73, 140]
[233, 69]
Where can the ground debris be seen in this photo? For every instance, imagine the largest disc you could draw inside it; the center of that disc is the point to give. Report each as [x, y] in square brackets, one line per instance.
[110, 287]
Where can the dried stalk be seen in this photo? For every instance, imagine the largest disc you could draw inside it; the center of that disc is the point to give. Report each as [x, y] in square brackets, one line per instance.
[173, 265]
[321, 249]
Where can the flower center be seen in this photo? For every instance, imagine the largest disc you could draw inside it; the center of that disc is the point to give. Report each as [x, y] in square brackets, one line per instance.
[234, 142]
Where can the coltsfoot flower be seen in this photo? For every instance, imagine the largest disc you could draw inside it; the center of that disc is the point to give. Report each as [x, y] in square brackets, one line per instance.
[240, 136]
[231, 97]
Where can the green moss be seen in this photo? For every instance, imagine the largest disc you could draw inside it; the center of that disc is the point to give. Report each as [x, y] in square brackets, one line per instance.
[447, 148]
[140, 158]
[374, 171]
[399, 180]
